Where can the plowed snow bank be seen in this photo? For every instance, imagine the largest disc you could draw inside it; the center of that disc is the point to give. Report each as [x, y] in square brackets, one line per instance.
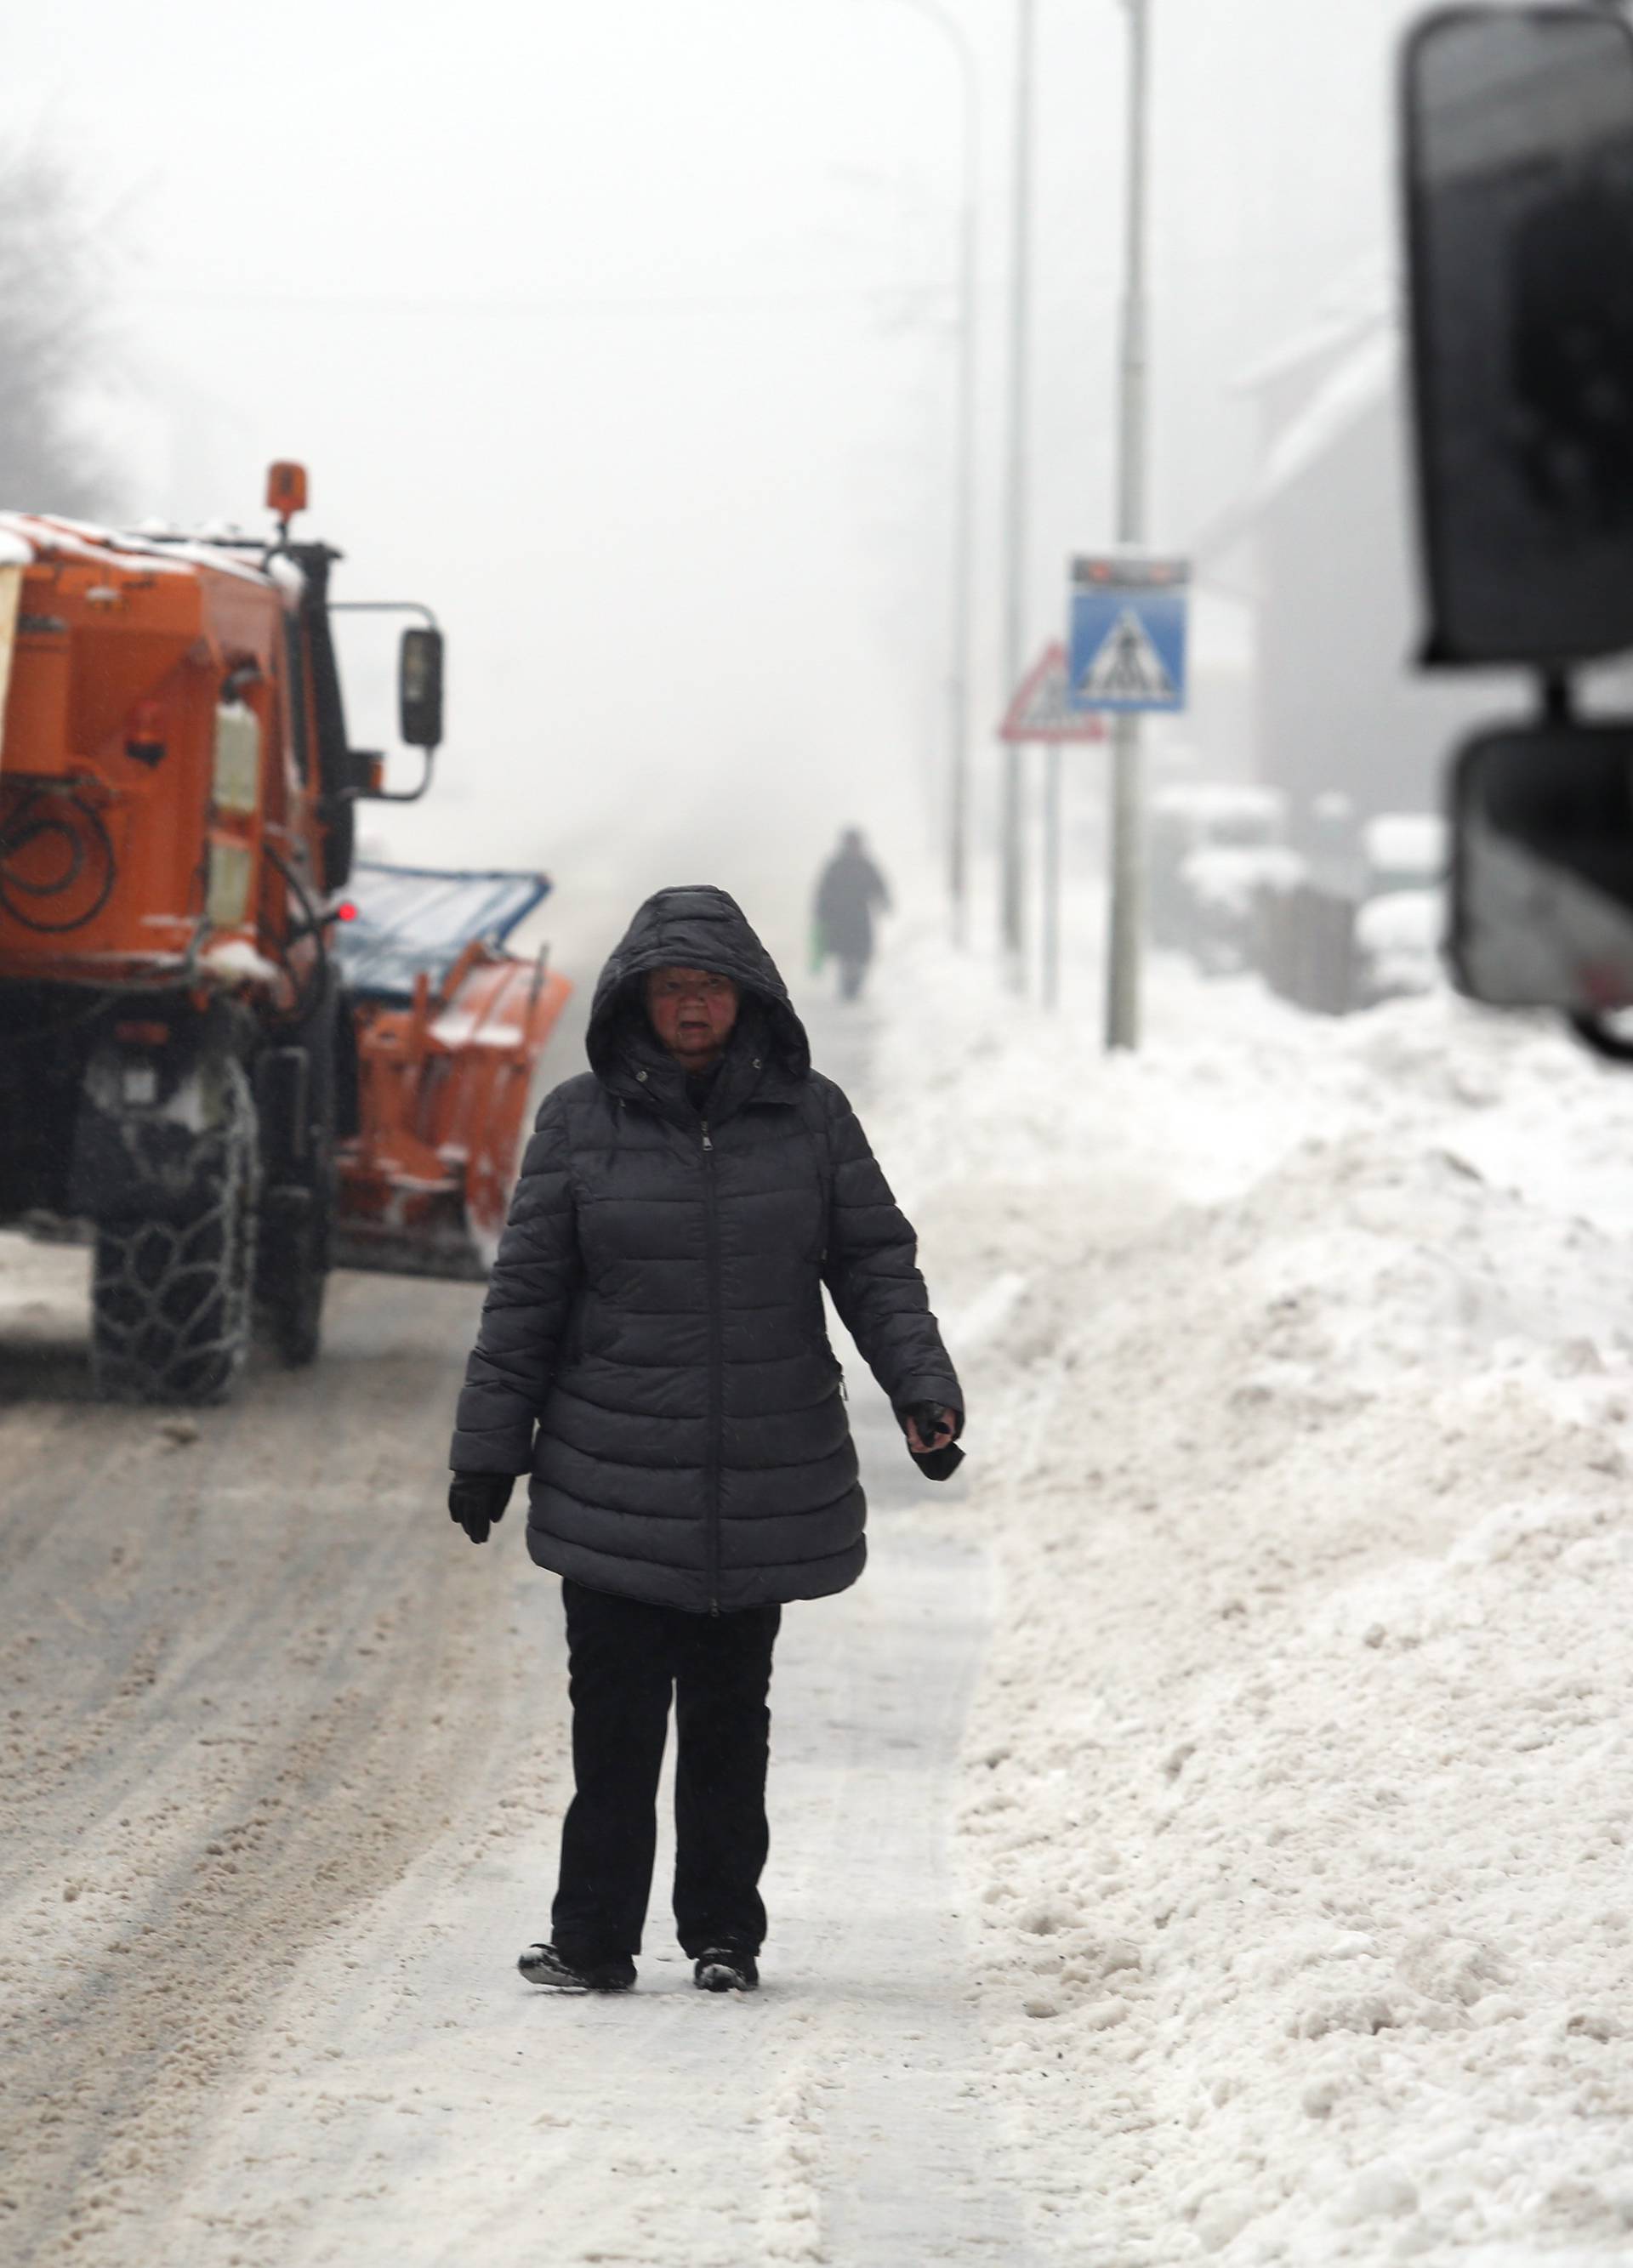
[1299, 1794]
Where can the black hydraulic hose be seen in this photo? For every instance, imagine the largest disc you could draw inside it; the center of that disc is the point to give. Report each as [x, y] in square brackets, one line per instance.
[52, 825]
[20, 831]
[311, 926]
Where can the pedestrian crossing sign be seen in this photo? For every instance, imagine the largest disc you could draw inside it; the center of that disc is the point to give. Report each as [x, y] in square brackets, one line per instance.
[1039, 710]
[1127, 648]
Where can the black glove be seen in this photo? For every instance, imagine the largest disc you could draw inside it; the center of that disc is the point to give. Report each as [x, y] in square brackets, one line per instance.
[941, 1463]
[478, 1501]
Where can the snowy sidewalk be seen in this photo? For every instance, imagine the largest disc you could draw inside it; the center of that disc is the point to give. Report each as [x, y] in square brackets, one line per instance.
[415, 2101]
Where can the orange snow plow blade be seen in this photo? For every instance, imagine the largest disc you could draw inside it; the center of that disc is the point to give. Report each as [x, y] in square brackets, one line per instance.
[450, 1031]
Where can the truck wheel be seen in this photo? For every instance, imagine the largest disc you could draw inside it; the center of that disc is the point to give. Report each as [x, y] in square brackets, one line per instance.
[171, 1295]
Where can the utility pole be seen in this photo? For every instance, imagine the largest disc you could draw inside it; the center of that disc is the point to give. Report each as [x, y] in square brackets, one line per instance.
[963, 526]
[1125, 938]
[952, 31]
[964, 475]
[1012, 880]
[1053, 821]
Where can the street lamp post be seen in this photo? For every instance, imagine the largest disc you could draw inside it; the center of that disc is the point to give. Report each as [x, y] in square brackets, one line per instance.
[1126, 920]
[963, 477]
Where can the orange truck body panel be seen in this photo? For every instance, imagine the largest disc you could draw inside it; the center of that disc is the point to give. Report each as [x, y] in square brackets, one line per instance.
[120, 649]
[144, 821]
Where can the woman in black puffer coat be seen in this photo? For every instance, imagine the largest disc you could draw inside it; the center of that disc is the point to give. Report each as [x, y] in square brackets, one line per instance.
[653, 1352]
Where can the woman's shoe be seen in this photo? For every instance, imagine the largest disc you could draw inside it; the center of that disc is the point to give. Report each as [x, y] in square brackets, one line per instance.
[720, 1969]
[543, 1964]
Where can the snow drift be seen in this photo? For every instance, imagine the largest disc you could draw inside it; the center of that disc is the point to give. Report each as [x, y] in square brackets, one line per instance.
[1298, 1794]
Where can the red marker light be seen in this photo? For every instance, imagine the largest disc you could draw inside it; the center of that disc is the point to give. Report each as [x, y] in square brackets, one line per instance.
[345, 910]
[144, 734]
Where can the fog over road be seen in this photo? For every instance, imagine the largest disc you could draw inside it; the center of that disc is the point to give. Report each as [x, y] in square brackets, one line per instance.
[284, 1763]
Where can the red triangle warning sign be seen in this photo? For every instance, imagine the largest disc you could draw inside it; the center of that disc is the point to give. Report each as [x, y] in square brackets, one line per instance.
[1040, 710]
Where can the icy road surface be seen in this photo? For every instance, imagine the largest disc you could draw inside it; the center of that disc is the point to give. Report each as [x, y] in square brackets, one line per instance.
[285, 1765]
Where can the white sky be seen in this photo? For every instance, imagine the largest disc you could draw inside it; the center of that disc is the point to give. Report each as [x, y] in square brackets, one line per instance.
[617, 331]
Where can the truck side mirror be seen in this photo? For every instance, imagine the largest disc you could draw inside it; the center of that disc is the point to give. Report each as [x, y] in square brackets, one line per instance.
[1542, 876]
[419, 689]
[1519, 157]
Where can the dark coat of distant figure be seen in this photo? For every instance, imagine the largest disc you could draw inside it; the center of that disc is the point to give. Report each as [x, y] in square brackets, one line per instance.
[656, 1311]
[851, 890]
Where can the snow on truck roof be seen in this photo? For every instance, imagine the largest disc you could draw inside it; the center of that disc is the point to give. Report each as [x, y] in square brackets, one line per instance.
[26, 536]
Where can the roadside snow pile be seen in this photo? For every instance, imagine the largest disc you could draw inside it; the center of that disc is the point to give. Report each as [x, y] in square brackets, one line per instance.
[1301, 1786]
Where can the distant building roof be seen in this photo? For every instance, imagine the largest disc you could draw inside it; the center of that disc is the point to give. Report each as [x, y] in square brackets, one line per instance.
[1359, 383]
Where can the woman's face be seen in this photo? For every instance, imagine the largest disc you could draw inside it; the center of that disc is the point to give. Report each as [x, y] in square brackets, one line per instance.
[692, 1011]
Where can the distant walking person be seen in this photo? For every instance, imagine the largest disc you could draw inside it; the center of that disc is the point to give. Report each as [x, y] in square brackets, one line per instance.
[652, 1353]
[851, 890]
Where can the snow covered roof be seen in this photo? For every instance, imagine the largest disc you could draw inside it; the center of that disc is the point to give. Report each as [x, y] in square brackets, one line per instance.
[1355, 305]
[1402, 921]
[1408, 843]
[1220, 808]
[1360, 382]
[28, 536]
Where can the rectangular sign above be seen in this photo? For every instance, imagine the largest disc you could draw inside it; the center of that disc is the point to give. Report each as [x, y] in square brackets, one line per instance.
[1127, 651]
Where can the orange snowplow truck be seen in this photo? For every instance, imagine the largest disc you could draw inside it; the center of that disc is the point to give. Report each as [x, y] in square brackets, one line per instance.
[225, 1057]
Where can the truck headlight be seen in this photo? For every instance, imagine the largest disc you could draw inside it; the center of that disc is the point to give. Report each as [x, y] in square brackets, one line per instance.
[237, 782]
[231, 872]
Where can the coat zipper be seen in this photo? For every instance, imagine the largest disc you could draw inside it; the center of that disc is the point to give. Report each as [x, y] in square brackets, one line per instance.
[712, 1452]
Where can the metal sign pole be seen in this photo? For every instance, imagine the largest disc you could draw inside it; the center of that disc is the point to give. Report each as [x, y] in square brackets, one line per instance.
[1123, 943]
[1051, 876]
[1041, 710]
[964, 514]
[1012, 848]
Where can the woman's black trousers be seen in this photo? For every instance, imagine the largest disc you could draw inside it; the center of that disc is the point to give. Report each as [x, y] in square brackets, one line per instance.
[625, 1659]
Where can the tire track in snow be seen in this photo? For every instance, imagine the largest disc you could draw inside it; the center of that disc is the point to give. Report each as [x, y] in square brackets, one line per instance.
[199, 1784]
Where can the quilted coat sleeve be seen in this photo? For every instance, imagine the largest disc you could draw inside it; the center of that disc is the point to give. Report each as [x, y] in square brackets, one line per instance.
[872, 1271]
[524, 1317]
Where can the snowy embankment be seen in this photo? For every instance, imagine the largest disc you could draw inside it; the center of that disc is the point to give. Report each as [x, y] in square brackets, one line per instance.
[1298, 1792]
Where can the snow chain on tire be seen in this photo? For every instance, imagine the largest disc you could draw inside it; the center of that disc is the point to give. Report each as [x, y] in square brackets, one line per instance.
[171, 1297]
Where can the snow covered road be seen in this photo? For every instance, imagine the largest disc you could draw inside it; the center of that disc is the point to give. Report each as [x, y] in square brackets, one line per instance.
[1204, 1834]
[285, 1762]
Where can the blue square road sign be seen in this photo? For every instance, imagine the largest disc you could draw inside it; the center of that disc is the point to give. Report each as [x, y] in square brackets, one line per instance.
[1127, 651]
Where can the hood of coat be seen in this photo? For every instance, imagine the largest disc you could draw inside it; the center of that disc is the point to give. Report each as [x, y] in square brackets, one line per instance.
[693, 927]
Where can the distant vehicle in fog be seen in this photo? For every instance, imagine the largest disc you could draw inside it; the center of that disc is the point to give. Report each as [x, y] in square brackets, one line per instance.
[1212, 848]
[1403, 850]
[1351, 915]
[1401, 917]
